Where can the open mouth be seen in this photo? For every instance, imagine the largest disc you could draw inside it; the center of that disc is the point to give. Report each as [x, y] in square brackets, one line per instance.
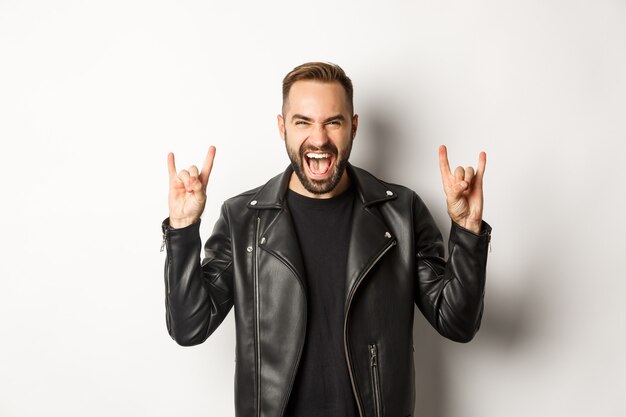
[319, 163]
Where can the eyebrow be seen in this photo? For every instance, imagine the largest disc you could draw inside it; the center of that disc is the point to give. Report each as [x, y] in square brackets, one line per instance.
[308, 119]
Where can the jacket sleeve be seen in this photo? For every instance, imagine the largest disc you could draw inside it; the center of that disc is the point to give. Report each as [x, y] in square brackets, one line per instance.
[198, 295]
[450, 294]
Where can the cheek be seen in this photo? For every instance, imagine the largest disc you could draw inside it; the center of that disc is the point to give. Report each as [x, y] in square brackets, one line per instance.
[293, 143]
[343, 139]
[295, 137]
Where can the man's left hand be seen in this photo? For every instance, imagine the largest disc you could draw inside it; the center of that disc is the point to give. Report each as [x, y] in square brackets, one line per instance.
[464, 191]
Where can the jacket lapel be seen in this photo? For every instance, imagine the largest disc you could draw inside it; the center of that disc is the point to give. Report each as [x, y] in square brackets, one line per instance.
[369, 234]
[277, 234]
[280, 239]
[369, 237]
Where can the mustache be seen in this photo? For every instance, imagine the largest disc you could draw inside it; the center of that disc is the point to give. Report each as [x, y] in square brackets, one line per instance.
[329, 147]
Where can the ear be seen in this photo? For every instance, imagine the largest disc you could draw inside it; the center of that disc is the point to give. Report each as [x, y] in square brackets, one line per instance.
[281, 125]
[355, 124]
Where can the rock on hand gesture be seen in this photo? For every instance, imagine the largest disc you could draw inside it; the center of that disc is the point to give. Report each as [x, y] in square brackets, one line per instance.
[464, 191]
[187, 195]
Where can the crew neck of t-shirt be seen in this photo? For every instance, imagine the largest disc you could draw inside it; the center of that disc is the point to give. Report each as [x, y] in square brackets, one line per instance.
[321, 203]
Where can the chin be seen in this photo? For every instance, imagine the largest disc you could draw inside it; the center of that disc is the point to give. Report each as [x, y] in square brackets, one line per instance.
[320, 186]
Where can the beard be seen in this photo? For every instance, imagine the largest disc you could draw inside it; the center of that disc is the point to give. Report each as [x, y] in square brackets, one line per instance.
[298, 159]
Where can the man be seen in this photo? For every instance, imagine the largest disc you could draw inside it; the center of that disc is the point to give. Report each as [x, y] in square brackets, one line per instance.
[324, 265]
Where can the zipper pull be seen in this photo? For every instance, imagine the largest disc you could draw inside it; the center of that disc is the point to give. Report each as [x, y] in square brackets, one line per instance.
[373, 355]
[163, 243]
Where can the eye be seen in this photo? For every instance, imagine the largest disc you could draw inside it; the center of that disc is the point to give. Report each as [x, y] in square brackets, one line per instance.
[300, 122]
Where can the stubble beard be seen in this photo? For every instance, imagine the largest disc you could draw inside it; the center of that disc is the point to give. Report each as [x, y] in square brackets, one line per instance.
[319, 186]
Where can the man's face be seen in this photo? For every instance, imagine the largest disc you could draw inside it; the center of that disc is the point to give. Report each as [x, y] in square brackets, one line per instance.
[318, 128]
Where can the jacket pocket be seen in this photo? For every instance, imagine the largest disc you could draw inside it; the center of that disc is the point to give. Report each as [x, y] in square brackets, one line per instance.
[375, 373]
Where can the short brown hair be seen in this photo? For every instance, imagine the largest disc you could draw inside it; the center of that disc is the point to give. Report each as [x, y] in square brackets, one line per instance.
[318, 71]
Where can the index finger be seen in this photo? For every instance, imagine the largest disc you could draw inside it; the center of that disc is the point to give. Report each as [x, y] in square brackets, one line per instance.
[207, 165]
[444, 166]
[171, 165]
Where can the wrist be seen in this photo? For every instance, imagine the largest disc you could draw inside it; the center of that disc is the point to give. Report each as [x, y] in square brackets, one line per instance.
[181, 223]
[473, 226]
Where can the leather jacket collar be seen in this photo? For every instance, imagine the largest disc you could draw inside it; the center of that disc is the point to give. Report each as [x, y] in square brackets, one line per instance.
[370, 235]
[370, 190]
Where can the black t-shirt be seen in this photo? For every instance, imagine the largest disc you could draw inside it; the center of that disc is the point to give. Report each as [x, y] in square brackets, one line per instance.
[322, 386]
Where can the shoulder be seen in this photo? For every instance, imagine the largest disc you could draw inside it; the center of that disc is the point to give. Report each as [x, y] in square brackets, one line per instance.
[372, 187]
[243, 198]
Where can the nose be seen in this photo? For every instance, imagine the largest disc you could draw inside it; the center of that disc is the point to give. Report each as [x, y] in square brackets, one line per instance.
[319, 136]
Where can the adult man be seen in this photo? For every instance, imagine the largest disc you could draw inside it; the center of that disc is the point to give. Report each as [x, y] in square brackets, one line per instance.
[324, 265]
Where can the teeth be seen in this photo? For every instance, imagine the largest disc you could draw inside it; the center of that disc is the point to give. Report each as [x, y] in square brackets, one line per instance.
[318, 155]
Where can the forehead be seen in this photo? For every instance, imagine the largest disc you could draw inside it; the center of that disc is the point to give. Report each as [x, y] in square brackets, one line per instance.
[317, 98]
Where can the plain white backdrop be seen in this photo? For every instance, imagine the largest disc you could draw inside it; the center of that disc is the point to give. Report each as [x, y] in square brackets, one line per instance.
[93, 95]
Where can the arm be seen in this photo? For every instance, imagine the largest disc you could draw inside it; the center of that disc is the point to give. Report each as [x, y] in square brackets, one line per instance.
[199, 295]
[450, 294]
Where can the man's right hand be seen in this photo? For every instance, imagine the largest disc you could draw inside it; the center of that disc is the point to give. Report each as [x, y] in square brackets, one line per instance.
[187, 195]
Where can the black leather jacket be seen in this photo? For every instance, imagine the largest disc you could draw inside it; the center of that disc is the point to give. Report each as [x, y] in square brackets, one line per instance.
[396, 261]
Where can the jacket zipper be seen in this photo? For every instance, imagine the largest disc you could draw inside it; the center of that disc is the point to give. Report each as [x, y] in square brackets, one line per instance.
[256, 317]
[345, 321]
[375, 379]
[164, 239]
[167, 264]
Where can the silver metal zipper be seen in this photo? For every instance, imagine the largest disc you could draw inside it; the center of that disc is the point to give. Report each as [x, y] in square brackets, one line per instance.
[345, 322]
[164, 239]
[375, 379]
[169, 261]
[256, 317]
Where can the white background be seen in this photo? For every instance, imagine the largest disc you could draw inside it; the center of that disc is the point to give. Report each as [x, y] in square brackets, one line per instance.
[93, 95]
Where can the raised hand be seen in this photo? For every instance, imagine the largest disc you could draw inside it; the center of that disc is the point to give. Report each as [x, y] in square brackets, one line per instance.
[187, 195]
[464, 191]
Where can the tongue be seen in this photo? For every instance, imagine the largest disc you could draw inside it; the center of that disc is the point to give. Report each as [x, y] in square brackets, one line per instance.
[319, 166]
